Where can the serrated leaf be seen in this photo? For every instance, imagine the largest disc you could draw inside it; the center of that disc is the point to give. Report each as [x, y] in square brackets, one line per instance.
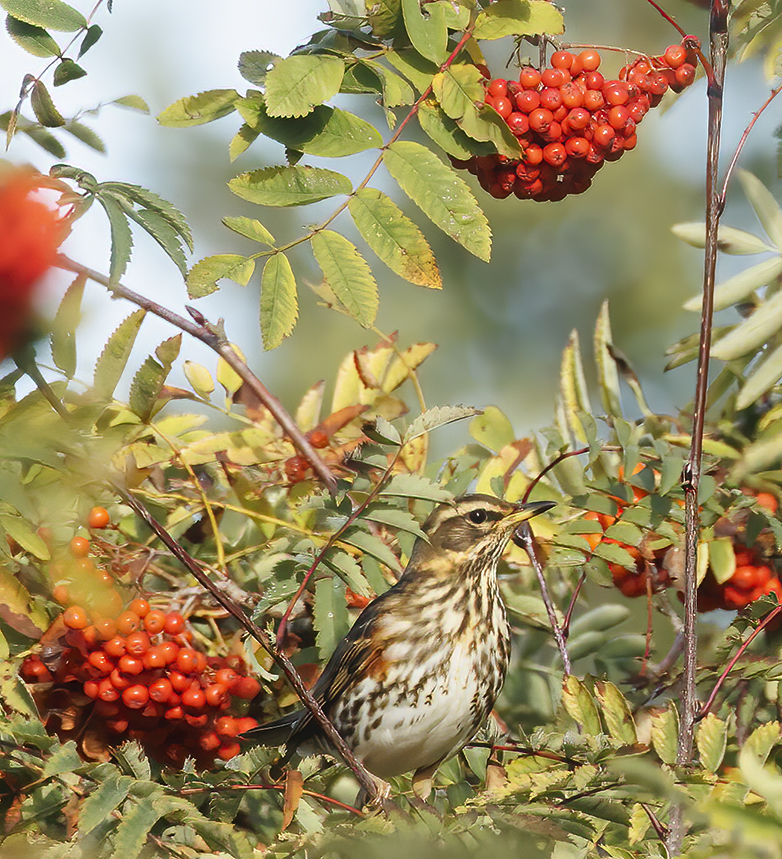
[131, 195]
[49, 14]
[203, 276]
[66, 320]
[764, 377]
[90, 38]
[415, 486]
[458, 88]
[400, 520]
[573, 387]
[639, 824]
[279, 308]
[371, 545]
[250, 229]
[147, 384]
[580, 705]
[294, 86]
[711, 738]
[327, 131]
[43, 106]
[255, 65]
[447, 134]
[106, 798]
[752, 333]
[121, 238]
[518, 18]
[741, 285]
[665, 734]
[492, 429]
[349, 570]
[394, 237]
[67, 70]
[348, 275]
[765, 206]
[86, 135]
[418, 70]
[64, 760]
[289, 186]
[436, 417]
[607, 374]
[112, 360]
[442, 195]
[729, 241]
[199, 109]
[134, 827]
[396, 91]
[616, 712]
[427, 29]
[133, 102]
[34, 40]
[330, 615]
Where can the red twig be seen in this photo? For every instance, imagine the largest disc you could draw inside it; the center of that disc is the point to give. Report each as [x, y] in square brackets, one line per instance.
[739, 653]
[280, 787]
[553, 464]
[573, 599]
[667, 17]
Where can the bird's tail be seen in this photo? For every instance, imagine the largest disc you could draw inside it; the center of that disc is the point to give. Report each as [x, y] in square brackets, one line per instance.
[275, 733]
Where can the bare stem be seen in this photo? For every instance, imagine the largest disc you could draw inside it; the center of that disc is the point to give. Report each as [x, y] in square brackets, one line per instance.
[202, 330]
[527, 542]
[718, 36]
[262, 637]
[222, 788]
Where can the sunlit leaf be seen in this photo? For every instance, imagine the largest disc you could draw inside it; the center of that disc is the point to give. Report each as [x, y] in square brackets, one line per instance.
[289, 186]
[330, 615]
[580, 705]
[294, 86]
[763, 378]
[616, 712]
[711, 738]
[279, 309]
[347, 273]
[115, 354]
[518, 18]
[49, 14]
[250, 228]
[66, 320]
[203, 276]
[34, 40]
[199, 109]
[427, 29]
[752, 333]
[741, 285]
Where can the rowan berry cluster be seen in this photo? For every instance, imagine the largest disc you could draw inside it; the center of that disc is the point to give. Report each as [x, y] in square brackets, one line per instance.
[296, 467]
[752, 579]
[139, 677]
[570, 120]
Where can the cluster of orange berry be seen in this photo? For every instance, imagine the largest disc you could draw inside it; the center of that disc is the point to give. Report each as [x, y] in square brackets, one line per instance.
[752, 579]
[296, 466]
[569, 120]
[141, 677]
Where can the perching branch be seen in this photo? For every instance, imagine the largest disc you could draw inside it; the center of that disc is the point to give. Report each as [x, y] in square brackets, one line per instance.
[202, 330]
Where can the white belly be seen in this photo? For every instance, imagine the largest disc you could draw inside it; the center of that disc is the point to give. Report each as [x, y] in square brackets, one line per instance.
[426, 723]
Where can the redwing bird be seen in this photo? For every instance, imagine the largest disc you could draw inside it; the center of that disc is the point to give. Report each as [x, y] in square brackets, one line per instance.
[423, 664]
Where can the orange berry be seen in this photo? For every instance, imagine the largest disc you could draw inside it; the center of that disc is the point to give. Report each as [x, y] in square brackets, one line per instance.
[100, 662]
[135, 697]
[226, 676]
[106, 628]
[216, 694]
[60, 594]
[562, 59]
[155, 621]
[128, 622]
[118, 680]
[137, 643]
[91, 688]
[228, 751]
[227, 726]
[130, 664]
[179, 681]
[590, 60]
[193, 697]
[174, 714]
[161, 690]
[246, 688]
[107, 691]
[155, 657]
[175, 623]
[767, 500]
[139, 606]
[80, 547]
[187, 660]
[246, 723]
[98, 518]
[318, 438]
[169, 649]
[75, 617]
[115, 647]
[209, 741]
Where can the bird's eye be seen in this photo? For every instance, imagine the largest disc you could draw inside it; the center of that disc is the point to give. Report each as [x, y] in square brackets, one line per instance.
[477, 517]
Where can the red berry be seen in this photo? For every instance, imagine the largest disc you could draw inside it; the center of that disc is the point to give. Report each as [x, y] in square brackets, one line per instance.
[118, 680]
[540, 120]
[594, 100]
[115, 647]
[551, 98]
[318, 438]
[175, 623]
[555, 154]
[674, 56]
[161, 690]
[137, 643]
[618, 117]
[603, 136]
[518, 123]
[179, 681]
[578, 147]
[552, 77]
[228, 751]
[193, 697]
[139, 606]
[154, 622]
[496, 89]
[216, 694]
[100, 662]
[562, 59]
[503, 106]
[130, 664]
[527, 100]
[153, 658]
[75, 617]
[590, 60]
[170, 650]
[227, 726]
[529, 77]
[685, 75]
[107, 691]
[187, 660]
[174, 714]
[135, 697]
[128, 622]
[616, 92]
[91, 688]
[246, 688]
[80, 547]
[533, 154]
[98, 518]
[209, 741]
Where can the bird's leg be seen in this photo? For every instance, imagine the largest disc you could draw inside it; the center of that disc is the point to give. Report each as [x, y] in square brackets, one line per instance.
[383, 789]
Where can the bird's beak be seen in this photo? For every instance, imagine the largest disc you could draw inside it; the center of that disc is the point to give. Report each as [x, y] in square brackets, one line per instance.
[528, 510]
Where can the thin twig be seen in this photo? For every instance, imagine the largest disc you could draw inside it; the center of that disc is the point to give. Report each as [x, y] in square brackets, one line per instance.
[527, 542]
[187, 791]
[739, 653]
[202, 330]
[553, 464]
[262, 637]
[573, 599]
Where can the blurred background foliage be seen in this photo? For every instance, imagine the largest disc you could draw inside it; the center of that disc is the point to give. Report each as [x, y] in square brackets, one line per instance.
[501, 328]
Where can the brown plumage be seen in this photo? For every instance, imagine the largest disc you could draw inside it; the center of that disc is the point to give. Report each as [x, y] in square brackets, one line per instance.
[422, 666]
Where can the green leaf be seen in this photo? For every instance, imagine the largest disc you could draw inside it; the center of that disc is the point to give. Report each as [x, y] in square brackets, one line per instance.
[43, 107]
[372, 546]
[518, 18]
[149, 200]
[90, 38]
[730, 240]
[134, 827]
[66, 320]
[573, 388]
[64, 760]
[741, 285]
[133, 102]
[326, 131]
[427, 29]
[289, 186]
[121, 239]
[764, 377]
[67, 70]
[87, 136]
[580, 705]
[112, 360]
[753, 333]
[414, 67]
[600, 618]
[349, 570]
[396, 90]
[722, 559]
[414, 486]
[255, 65]
[607, 374]
[250, 229]
[436, 417]
[348, 275]
[616, 712]
[442, 195]
[34, 40]
[199, 109]
[665, 733]
[394, 237]
[330, 615]
[400, 520]
[458, 88]
[203, 276]
[492, 429]
[147, 384]
[765, 206]
[279, 309]
[385, 17]
[712, 740]
[49, 14]
[296, 85]
[106, 798]
[447, 134]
